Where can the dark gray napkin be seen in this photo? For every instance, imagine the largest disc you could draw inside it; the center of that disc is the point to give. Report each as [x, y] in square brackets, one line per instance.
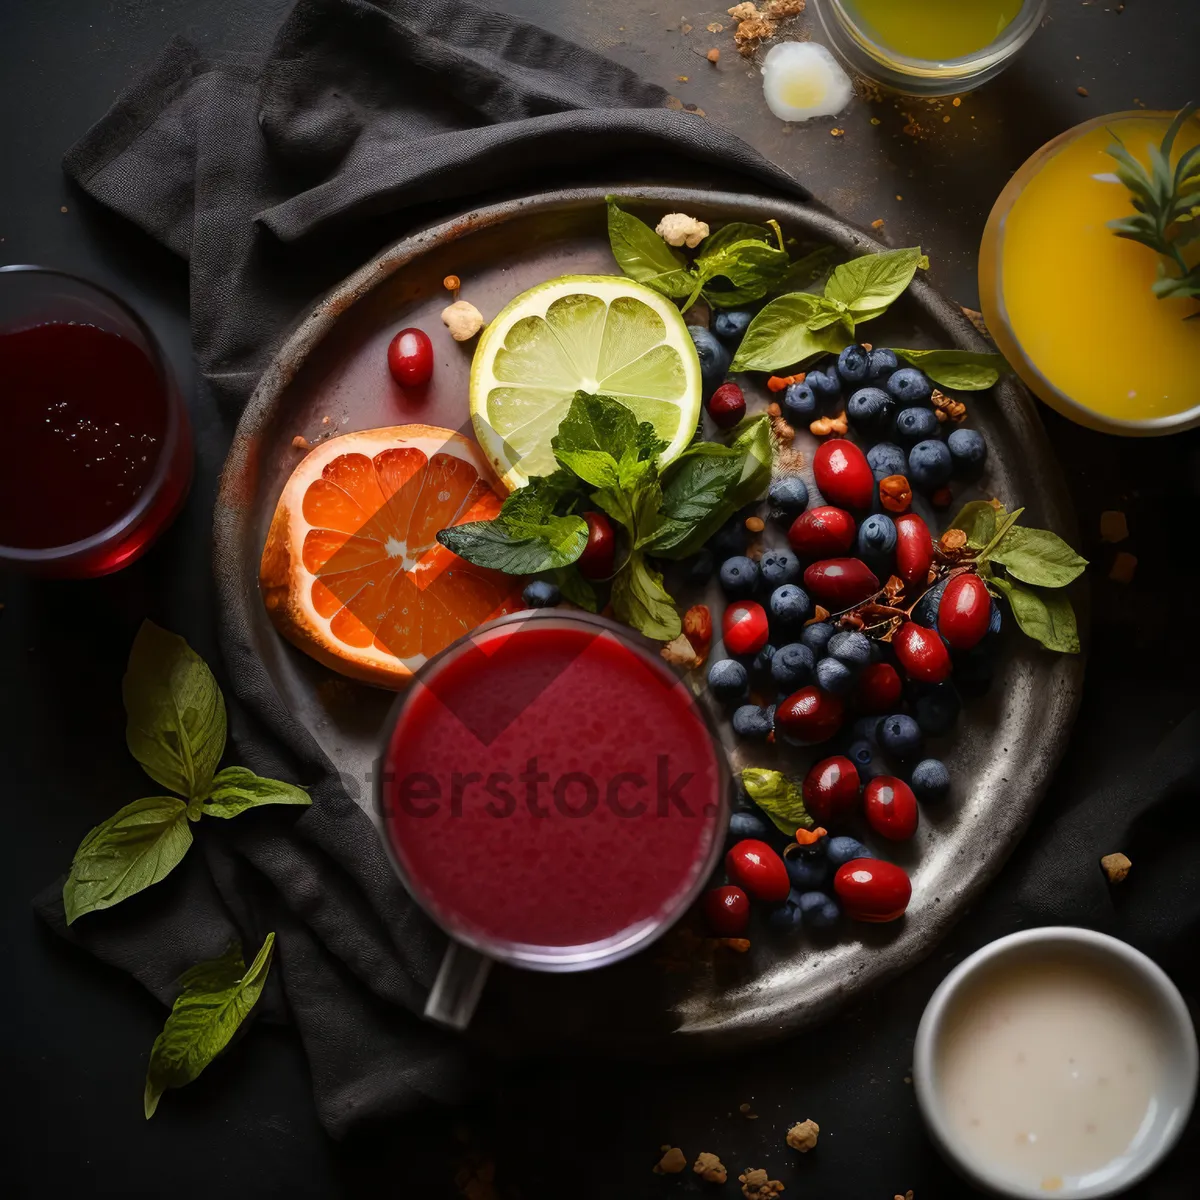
[274, 179]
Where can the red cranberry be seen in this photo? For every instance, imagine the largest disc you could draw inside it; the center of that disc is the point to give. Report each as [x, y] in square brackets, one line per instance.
[599, 555]
[872, 890]
[879, 688]
[822, 531]
[758, 870]
[965, 611]
[744, 627]
[410, 357]
[921, 653]
[810, 715]
[840, 583]
[831, 790]
[914, 549]
[727, 405]
[843, 474]
[727, 911]
[891, 808]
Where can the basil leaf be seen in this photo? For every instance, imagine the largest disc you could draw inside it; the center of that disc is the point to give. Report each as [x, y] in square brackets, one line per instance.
[644, 256]
[746, 264]
[804, 271]
[518, 547]
[869, 285]
[595, 467]
[576, 589]
[780, 798]
[1038, 556]
[779, 335]
[236, 789]
[598, 423]
[639, 599]
[176, 713]
[215, 998]
[963, 370]
[978, 521]
[1046, 617]
[728, 235]
[134, 848]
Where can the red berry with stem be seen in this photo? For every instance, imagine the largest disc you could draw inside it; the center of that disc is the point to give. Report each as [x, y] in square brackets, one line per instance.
[891, 808]
[599, 555]
[922, 654]
[744, 627]
[810, 715]
[840, 583]
[843, 474]
[410, 357]
[831, 790]
[965, 611]
[914, 549]
[823, 531]
[872, 890]
[758, 871]
[727, 911]
[727, 405]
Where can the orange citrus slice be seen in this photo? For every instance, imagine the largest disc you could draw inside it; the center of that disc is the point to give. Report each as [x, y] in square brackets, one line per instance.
[352, 571]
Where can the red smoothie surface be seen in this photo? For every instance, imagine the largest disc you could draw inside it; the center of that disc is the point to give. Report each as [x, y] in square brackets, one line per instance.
[548, 785]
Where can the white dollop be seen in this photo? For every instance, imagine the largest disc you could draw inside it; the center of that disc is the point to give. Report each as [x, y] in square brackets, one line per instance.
[802, 80]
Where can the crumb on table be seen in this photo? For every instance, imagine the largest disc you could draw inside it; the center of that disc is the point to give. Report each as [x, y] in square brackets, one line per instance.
[673, 1162]
[803, 1136]
[1116, 866]
[710, 1168]
[758, 1185]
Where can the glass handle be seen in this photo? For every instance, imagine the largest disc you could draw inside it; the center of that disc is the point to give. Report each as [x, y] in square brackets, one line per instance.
[458, 986]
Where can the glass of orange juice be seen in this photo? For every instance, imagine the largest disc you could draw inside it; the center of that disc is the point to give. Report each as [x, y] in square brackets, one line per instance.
[1071, 305]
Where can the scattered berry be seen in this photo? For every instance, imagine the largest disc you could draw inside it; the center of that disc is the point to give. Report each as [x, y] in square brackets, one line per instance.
[841, 850]
[870, 410]
[788, 497]
[792, 666]
[826, 385]
[900, 736]
[883, 365]
[728, 680]
[799, 402]
[599, 555]
[762, 660]
[876, 543]
[750, 721]
[816, 636]
[831, 790]
[891, 808]
[930, 465]
[886, 459]
[842, 474]
[727, 911]
[739, 577]
[744, 627]
[786, 919]
[731, 326]
[807, 868]
[872, 890]
[777, 567]
[410, 358]
[840, 583]
[744, 825]
[820, 911]
[964, 612]
[790, 606]
[835, 677]
[854, 364]
[714, 358]
[914, 549]
[851, 647]
[879, 688]
[922, 654]
[916, 424]
[931, 781]
[867, 728]
[926, 609]
[864, 757]
[968, 452]
[727, 405]
[756, 868]
[822, 532]
[809, 716]
[541, 593]
[909, 386]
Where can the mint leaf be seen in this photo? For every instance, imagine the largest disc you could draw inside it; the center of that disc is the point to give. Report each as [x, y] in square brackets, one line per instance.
[1047, 617]
[699, 480]
[644, 256]
[215, 998]
[869, 285]
[639, 599]
[595, 467]
[780, 798]
[176, 713]
[978, 521]
[963, 370]
[1038, 556]
[779, 336]
[134, 848]
[598, 423]
[576, 589]
[518, 547]
[236, 789]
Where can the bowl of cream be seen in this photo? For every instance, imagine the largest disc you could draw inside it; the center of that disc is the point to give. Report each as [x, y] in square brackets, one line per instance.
[1056, 1062]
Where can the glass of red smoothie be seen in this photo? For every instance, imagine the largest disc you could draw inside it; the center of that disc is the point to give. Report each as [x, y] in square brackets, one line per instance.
[552, 795]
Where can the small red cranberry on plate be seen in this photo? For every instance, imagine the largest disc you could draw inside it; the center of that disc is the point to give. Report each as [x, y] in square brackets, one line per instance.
[964, 612]
[922, 653]
[914, 549]
[821, 532]
[744, 627]
[872, 890]
[810, 715]
[410, 357]
[758, 871]
[727, 911]
[842, 473]
[891, 808]
[831, 790]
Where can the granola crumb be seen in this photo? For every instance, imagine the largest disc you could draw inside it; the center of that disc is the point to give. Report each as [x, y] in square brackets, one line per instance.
[877, 224]
[673, 1162]
[714, 55]
[907, 1195]
[1113, 526]
[710, 1168]
[737, 945]
[324, 420]
[755, 524]
[1116, 867]
[837, 132]
[1123, 568]
[300, 442]
[758, 1185]
[681, 79]
[1081, 91]
[714, 27]
[803, 1136]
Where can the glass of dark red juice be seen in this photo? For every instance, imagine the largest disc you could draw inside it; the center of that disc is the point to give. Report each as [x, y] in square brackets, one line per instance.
[552, 795]
[103, 450]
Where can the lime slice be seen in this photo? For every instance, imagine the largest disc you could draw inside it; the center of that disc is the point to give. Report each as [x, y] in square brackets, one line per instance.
[596, 333]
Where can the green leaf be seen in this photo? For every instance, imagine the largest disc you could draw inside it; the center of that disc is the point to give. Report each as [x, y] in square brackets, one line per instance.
[804, 271]
[779, 335]
[576, 589]
[215, 998]
[134, 848]
[1038, 556]
[868, 286]
[1004, 522]
[639, 599]
[729, 235]
[978, 521]
[697, 483]
[779, 797]
[644, 256]
[963, 370]
[176, 713]
[517, 547]
[748, 264]
[598, 423]
[595, 467]
[1047, 617]
[236, 789]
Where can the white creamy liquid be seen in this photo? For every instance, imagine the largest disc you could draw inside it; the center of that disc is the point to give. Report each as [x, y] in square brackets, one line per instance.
[1048, 1071]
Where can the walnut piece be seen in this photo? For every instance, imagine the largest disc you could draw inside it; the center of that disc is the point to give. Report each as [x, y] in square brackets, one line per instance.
[710, 1168]
[672, 1162]
[803, 1136]
[757, 1185]
[463, 320]
[678, 229]
[1116, 866]
[681, 653]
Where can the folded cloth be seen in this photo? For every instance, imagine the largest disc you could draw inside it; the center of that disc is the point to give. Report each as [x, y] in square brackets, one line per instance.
[274, 179]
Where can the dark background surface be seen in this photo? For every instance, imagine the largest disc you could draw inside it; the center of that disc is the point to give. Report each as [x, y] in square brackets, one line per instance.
[76, 1035]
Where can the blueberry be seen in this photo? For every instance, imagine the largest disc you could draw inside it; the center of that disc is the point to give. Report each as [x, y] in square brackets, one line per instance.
[853, 364]
[877, 543]
[916, 424]
[799, 403]
[762, 660]
[739, 577]
[900, 735]
[754, 825]
[788, 497]
[819, 910]
[750, 721]
[541, 593]
[886, 459]
[727, 680]
[714, 358]
[870, 410]
[937, 709]
[866, 729]
[786, 918]
[851, 647]
[968, 452]
[926, 609]
[777, 567]
[792, 666]
[816, 637]
[910, 386]
[835, 677]
[700, 568]
[807, 870]
[929, 465]
[930, 781]
[730, 539]
[841, 850]
[789, 606]
[883, 365]
[730, 326]
[862, 755]
[826, 385]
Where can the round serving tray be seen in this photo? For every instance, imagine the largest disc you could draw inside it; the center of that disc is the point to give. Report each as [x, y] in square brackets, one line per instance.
[330, 377]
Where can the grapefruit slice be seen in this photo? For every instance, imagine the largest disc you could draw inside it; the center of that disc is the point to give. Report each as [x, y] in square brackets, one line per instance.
[352, 572]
